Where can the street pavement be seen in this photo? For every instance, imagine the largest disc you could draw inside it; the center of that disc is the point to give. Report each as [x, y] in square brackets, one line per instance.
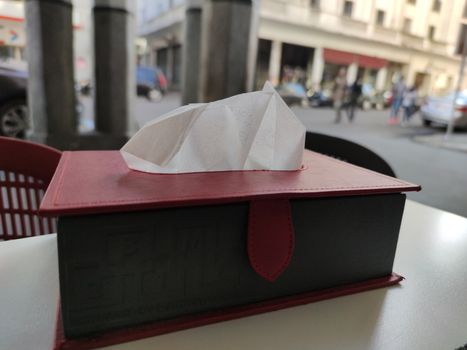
[441, 172]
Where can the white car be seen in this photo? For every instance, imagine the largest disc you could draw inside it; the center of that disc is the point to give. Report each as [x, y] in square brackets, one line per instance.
[438, 110]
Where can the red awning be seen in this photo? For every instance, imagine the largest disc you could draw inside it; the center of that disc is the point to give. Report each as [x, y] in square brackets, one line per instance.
[346, 58]
[371, 62]
[339, 57]
[12, 19]
[20, 20]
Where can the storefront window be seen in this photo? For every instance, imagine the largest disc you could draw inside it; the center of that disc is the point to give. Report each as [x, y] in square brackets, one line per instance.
[6, 53]
[380, 17]
[348, 8]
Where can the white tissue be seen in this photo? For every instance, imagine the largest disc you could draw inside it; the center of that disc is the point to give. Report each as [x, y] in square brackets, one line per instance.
[251, 131]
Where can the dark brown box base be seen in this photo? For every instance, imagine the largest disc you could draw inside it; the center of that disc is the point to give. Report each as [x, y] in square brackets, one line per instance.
[158, 328]
[125, 269]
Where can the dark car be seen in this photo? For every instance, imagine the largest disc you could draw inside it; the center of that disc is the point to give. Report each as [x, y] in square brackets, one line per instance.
[13, 106]
[150, 83]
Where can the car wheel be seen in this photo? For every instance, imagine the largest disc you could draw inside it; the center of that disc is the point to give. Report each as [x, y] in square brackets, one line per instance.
[14, 119]
[154, 95]
[426, 122]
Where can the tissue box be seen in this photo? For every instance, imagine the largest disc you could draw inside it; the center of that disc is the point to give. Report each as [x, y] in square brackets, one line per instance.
[137, 248]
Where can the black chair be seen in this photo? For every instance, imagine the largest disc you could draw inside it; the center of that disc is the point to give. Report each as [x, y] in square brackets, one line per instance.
[348, 151]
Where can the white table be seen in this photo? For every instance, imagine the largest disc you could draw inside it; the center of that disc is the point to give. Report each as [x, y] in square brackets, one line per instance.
[428, 310]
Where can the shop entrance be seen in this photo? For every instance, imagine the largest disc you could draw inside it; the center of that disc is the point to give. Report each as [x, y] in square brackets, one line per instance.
[294, 63]
[421, 82]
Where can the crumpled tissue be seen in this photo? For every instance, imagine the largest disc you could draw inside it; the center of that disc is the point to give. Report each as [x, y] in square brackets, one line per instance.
[250, 131]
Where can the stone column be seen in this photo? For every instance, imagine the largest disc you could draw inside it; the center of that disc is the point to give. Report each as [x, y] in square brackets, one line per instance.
[253, 46]
[275, 62]
[352, 72]
[51, 92]
[170, 62]
[226, 26]
[381, 77]
[114, 59]
[318, 68]
[191, 52]
[17, 53]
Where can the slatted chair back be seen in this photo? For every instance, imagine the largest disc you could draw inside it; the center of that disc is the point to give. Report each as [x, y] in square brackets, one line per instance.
[26, 169]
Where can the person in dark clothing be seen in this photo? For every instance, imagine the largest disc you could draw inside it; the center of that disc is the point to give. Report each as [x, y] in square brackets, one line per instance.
[339, 92]
[409, 104]
[398, 91]
[355, 91]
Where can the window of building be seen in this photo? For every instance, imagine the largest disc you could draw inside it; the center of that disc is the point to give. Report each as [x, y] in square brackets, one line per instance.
[407, 25]
[6, 52]
[431, 32]
[314, 4]
[413, 2]
[436, 6]
[380, 17]
[348, 8]
[460, 49]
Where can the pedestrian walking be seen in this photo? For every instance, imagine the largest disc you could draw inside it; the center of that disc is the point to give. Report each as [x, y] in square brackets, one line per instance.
[355, 91]
[408, 104]
[398, 91]
[339, 92]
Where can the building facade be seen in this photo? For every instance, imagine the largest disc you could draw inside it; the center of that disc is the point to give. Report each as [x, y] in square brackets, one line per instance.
[160, 27]
[309, 40]
[12, 32]
[13, 43]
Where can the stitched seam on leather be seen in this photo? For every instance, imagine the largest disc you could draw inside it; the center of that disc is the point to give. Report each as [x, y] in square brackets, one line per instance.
[224, 195]
[171, 199]
[252, 244]
[290, 236]
[368, 171]
[251, 238]
[60, 179]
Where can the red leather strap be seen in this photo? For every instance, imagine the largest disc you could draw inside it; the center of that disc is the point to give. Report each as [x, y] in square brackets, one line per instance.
[270, 237]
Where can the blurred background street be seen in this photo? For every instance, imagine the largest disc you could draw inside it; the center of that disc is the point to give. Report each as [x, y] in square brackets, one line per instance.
[108, 67]
[441, 172]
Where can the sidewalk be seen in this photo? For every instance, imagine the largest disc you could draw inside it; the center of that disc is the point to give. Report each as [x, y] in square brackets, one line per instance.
[456, 142]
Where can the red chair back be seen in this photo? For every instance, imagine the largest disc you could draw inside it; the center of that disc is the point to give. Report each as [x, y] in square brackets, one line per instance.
[26, 169]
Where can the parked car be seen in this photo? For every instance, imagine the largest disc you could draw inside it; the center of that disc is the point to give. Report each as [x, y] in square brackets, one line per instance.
[13, 106]
[14, 117]
[293, 94]
[438, 110]
[321, 98]
[372, 98]
[150, 83]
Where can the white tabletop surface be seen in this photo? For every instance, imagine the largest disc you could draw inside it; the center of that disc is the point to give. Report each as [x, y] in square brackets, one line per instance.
[427, 311]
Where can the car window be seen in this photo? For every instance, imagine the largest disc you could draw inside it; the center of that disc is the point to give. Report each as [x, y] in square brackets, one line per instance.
[145, 74]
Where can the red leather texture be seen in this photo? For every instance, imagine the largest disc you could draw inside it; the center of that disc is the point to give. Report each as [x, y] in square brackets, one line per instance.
[100, 181]
[151, 330]
[270, 237]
